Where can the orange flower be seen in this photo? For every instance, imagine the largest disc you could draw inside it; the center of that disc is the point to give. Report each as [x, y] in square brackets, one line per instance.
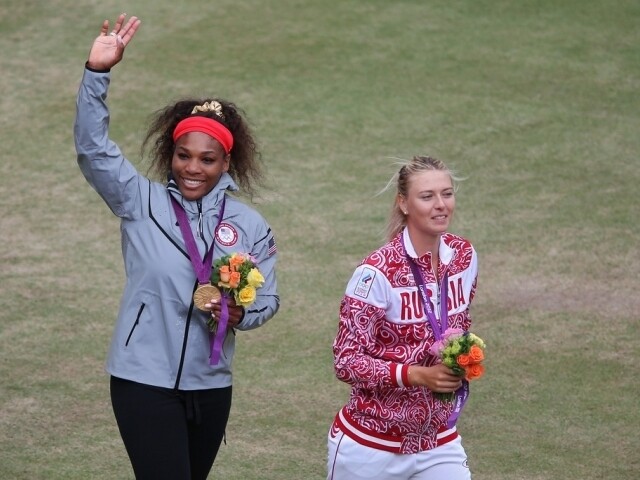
[225, 274]
[474, 371]
[235, 261]
[476, 354]
[463, 359]
[234, 279]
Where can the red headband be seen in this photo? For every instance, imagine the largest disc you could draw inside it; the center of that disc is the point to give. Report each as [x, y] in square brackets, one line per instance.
[205, 125]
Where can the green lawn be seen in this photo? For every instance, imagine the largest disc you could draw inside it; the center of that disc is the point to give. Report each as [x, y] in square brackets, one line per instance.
[536, 103]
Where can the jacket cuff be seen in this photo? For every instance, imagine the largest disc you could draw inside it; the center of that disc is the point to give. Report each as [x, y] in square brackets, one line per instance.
[242, 317]
[400, 375]
[86, 65]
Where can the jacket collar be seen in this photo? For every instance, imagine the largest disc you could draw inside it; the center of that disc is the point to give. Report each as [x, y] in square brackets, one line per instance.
[445, 252]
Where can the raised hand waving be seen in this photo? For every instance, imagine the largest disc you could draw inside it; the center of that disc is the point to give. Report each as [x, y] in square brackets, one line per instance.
[108, 48]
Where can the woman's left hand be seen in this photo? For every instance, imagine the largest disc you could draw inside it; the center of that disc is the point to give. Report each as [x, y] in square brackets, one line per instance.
[236, 312]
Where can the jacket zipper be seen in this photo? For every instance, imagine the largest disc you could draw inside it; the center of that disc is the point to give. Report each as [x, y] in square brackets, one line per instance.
[185, 339]
[135, 324]
[200, 230]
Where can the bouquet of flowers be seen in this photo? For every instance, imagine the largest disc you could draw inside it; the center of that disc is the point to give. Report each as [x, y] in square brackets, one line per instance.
[462, 352]
[236, 275]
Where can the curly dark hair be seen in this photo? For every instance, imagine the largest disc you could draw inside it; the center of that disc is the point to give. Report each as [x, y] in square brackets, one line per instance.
[245, 165]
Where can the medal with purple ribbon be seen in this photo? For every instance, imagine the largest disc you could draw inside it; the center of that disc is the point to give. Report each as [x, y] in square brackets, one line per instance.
[205, 292]
[438, 328]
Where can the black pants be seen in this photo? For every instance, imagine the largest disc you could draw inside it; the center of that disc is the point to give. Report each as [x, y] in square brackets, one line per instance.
[170, 434]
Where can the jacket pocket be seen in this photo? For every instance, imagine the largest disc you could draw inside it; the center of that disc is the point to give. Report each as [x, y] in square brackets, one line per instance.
[135, 324]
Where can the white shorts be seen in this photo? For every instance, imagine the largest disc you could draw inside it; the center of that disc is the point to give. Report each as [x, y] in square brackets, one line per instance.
[349, 460]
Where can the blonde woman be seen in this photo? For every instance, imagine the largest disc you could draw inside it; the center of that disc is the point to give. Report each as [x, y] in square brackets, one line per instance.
[399, 301]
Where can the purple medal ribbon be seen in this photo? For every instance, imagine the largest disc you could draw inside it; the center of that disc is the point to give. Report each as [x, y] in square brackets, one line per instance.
[216, 341]
[460, 398]
[462, 393]
[203, 273]
[438, 327]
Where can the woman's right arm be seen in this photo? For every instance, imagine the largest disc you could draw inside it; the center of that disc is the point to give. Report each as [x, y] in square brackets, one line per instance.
[99, 158]
[362, 311]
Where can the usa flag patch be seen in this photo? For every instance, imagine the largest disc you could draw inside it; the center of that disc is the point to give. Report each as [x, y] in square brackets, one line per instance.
[272, 246]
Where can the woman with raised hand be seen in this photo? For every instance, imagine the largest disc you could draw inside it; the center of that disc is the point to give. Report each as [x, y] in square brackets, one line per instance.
[173, 344]
[397, 305]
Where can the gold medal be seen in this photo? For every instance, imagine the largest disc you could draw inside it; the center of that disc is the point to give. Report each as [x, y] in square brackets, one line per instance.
[204, 294]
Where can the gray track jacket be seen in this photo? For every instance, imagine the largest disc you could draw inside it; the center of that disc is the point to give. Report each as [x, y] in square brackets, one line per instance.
[160, 338]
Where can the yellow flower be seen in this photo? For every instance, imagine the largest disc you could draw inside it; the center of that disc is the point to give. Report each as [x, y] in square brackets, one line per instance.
[255, 278]
[246, 296]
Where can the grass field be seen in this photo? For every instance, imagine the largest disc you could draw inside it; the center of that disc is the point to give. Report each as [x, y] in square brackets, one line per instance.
[536, 103]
